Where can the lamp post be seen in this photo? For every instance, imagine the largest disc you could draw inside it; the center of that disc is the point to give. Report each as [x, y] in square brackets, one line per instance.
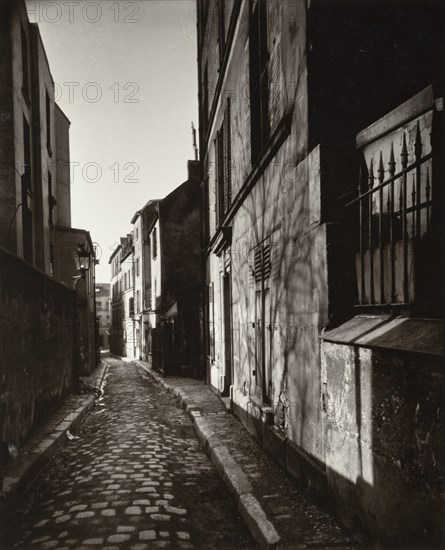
[82, 259]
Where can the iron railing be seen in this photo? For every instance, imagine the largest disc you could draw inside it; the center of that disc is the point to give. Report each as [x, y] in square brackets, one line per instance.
[395, 204]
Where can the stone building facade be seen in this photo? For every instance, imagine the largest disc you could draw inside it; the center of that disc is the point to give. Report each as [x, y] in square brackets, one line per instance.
[102, 297]
[299, 102]
[163, 323]
[121, 298]
[143, 222]
[176, 279]
[47, 329]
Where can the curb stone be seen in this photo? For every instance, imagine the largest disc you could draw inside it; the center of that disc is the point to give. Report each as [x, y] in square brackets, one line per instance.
[24, 471]
[261, 529]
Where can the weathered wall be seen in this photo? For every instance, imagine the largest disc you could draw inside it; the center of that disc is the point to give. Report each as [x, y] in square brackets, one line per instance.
[383, 439]
[36, 342]
[8, 175]
[15, 106]
[295, 197]
[63, 186]
[66, 242]
[180, 214]
[44, 149]
[283, 205]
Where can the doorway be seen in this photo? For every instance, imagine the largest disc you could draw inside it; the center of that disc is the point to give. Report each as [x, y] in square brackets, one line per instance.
[227, 313]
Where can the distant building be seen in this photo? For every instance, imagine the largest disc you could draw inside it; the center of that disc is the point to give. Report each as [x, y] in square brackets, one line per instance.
[103, 313]
[168, 302]
[157, 283]
[121, 297]
[143, 221]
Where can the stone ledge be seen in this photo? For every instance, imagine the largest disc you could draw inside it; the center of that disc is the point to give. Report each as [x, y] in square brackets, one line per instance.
[256, 520]
[232, 474]
[424, 336]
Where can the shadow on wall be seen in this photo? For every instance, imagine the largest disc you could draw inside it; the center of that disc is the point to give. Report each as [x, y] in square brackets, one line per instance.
[384, 449]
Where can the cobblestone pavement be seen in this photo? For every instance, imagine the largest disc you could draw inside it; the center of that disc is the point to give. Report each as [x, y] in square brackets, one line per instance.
[135, 478]
[290, 507]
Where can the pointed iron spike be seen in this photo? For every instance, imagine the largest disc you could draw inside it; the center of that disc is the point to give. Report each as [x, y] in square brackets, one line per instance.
[360, 179]
[428, 187]
[392, 162]
[418, 143]
[371, 174]
[404, 153]
[381, 170]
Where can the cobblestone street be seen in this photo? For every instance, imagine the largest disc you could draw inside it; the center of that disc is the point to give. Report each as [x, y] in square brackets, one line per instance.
[136, 477]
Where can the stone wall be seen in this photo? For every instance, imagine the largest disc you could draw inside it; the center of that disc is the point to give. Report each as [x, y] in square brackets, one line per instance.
[383, 425]
[36, 336]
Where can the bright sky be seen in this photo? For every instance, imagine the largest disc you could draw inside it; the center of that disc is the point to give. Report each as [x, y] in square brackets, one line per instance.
[131, 101]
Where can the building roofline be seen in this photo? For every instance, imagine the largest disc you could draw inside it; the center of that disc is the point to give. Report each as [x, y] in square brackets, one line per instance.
[36, 29]
[76, 230]
[146, 205]
[115, 251]
[62, 113]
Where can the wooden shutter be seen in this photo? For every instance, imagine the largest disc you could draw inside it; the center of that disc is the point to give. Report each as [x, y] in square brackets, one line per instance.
[246, 108]
[227, 158]
[276, 256]
[262, 262]
[220, 176]
[275, 81]
[267, 266]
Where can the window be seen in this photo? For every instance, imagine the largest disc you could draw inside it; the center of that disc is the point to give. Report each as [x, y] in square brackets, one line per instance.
[27, 195]
[98, 304]
[137, 267]
[263, 334]
[51, 258]
[48, 122]
[51, 201]
[131, 306]
[154, 243]
[25, 64]
[396, 257]
[259, 78]
[137, 233]
[205, 103]
[211, 340]
[262, 263]
[138, 301]
[221, 28]
[223, 167]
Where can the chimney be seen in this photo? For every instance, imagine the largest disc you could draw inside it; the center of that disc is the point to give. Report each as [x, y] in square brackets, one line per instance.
[195, 148]
[194, 169]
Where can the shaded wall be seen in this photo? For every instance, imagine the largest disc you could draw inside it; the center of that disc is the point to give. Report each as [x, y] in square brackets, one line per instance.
[383, 430]
[36, 337]
[67, 239]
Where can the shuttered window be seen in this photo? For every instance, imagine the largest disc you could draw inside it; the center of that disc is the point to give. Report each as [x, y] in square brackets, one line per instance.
[154, 244]
[211, 317]
[223, 155]
[262, 262]
[258, 77]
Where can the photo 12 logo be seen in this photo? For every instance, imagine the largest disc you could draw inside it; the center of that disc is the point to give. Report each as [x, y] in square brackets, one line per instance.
[91, 12]
[93, 92]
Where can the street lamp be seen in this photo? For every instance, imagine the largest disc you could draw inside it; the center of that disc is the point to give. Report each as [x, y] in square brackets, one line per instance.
[82, 259]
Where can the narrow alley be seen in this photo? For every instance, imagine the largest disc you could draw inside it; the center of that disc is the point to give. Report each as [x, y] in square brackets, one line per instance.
[136, 477]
